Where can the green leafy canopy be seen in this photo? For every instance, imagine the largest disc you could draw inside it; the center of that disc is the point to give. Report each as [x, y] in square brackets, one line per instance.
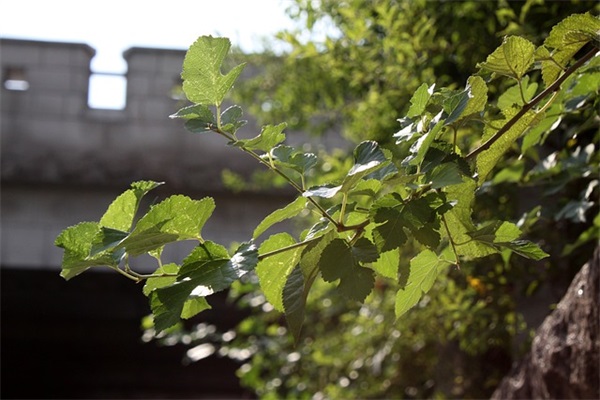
[415, 196]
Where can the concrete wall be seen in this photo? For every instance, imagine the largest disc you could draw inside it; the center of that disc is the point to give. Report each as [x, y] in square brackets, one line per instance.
[63, 162]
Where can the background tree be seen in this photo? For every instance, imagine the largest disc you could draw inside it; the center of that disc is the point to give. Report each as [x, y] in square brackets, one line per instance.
[471, 327]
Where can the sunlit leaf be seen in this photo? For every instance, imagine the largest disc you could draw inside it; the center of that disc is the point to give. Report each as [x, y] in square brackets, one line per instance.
[513, 58]
[269, 137]
[203, 82]
[424, 268]
[289, 211]
[273, 271]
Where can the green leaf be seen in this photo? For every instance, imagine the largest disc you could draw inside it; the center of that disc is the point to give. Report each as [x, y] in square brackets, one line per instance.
[121, 212]
[273, 271]
[388, 264]
[444, 175]
[294, 301]
[390, 234]
[208, 266]
[159, 282]
[421, 146]
[512, 98]
[526, 249]
[289, 211]
[477, 90]
[291, 158]
[502, 234]
[325, 191]
[312, 253]
[512, 58]
[488, 159]
[369, 187]
[230, 119]
[424, 269]
[167, 304]
[193, 306]
[419, 100]
[565, 39]
[368, 157]
[269, 137]
[338, 261]
[176, 218]
[77, 243]
[575, 30]
[365, 251]
[455, 105]
[207, 270]
[199, 112]
[203, 82]
[106, 239]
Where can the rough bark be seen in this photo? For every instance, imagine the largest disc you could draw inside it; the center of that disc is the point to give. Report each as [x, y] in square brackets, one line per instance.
[564, 359]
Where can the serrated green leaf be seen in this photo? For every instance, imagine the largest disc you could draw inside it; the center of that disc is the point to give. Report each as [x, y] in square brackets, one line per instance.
[565, 40]
[203, 82]
[488, 159]
[357, 284]
[419, 100]
[368, 187]
[273, 271]
[325, 191]
[289, 211]
[121, 212]
[444, 175]
[269, 137]
[176, 218]
[503, 234]
[312, 253]
[368, 158]
[458, 219]
[294, 301]
[193, 306]
[167, 302]
[390, 234]
[388, 264]
[421, 146]
[198, 126]
[525, 249]
[338, 261]
[77, 243]
[289, 157]
[574, 29]
[209, 266]
[205, 271]
[231, 119]
[455, 105]
[512, 98]
[365, 251]
[105, 239]
[477, 90]
[159, 282]
[424, 269]
[512, 58]
[145, 241]
[199, 112]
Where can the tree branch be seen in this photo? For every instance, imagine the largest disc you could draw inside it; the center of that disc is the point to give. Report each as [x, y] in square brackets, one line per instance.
[550, 89]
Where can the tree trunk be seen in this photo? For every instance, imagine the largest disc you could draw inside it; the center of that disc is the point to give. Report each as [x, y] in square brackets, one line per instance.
[564, 359]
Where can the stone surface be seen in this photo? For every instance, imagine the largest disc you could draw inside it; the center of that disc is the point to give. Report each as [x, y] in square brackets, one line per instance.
[564, 360]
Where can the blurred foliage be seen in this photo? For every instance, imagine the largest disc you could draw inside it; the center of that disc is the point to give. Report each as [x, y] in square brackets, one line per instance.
[464, 334]
[376, 53]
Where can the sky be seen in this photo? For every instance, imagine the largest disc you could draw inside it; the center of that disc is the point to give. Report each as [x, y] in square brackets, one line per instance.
[113, 26]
